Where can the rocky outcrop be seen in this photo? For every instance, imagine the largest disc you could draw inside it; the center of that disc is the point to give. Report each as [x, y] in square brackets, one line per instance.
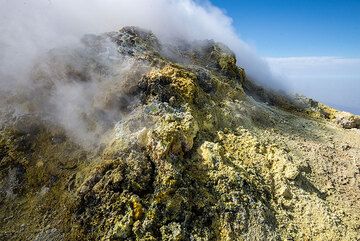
[195, 153]
[348, 120]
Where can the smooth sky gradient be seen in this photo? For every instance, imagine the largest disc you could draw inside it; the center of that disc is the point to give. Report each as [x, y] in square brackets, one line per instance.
[313, 44]
[283, 28]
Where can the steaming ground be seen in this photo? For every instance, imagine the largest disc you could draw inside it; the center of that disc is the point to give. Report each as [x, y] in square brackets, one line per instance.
[183, 146]
[31, 28]
[72, 87]
[65, 85]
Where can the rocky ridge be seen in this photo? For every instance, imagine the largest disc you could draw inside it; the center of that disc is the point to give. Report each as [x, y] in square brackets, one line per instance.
[200, 153]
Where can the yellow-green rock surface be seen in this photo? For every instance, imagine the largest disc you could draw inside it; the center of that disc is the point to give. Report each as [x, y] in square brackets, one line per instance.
[201, 153]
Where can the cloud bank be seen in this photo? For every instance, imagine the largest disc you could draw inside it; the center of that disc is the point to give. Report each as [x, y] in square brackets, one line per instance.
[332, 80]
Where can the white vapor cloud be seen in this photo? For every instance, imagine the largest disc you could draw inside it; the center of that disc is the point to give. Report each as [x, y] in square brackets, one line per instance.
[29, 29]
[31, 26]
[333, 80]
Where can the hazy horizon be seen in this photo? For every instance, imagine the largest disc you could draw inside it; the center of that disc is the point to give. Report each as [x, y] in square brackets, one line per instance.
[312, 45]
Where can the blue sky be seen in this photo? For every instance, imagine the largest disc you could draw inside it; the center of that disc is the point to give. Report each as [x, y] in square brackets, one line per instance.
[313, 45]
[280, 28]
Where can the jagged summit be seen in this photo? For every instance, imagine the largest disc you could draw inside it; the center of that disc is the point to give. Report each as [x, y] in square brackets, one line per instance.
[134, 139]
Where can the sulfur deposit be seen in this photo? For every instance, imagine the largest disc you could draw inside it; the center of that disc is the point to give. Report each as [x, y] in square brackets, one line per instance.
[181, 145]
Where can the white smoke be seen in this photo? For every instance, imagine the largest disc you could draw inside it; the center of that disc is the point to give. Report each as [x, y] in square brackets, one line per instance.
[31, 28]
